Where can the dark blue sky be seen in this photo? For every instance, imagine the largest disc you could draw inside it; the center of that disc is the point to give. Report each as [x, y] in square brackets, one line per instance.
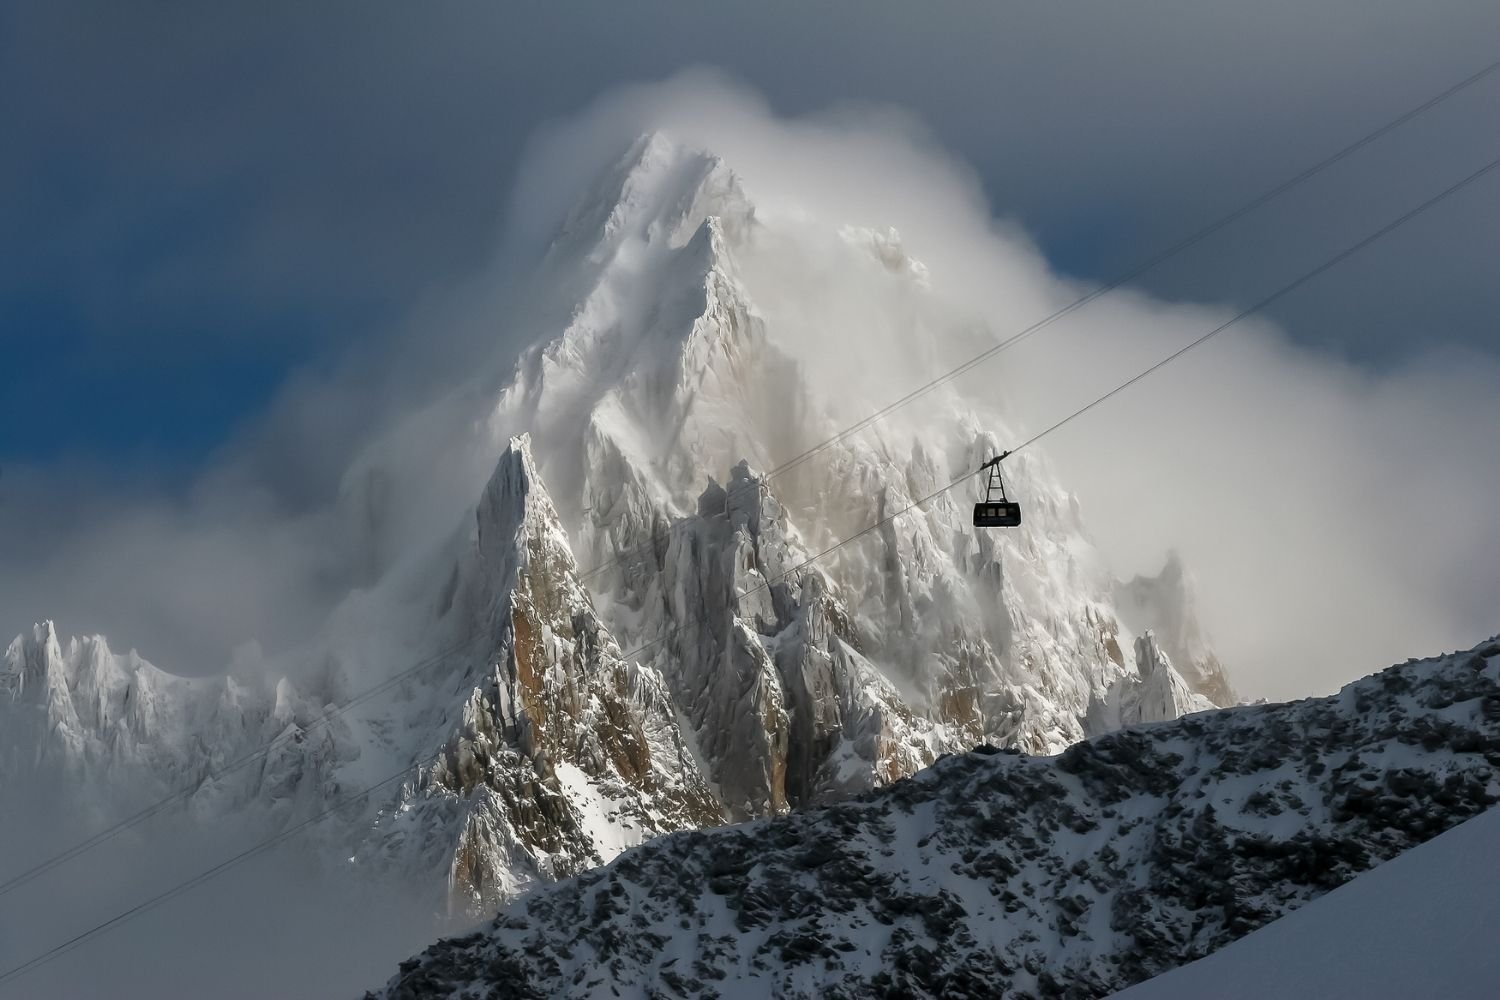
[197, 202]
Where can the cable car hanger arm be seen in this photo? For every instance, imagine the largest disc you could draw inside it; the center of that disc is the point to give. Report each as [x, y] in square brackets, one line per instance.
[994, 461]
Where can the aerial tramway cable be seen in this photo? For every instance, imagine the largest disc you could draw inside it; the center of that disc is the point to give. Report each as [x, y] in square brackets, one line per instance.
[268, 843]
[1280, 293]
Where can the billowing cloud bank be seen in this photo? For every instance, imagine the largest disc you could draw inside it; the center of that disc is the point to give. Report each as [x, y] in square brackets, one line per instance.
[1336, 518]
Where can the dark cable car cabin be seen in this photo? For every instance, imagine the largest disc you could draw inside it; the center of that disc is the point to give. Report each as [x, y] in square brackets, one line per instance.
[996, 510]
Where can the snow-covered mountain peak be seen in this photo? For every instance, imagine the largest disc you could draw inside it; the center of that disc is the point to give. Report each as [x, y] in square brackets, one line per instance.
[80, 692]
[1166, 605]
[121, 732]
[657, 194]
[673, 587]
[31, 661]
[514, 511]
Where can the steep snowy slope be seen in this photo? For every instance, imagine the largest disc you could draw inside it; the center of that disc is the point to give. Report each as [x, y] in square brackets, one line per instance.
[617, 624]
[1421, 925]
[1073, 875]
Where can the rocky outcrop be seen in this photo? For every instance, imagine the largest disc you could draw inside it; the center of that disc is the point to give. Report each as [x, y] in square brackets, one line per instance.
[1156, 693]
[995, 873]
[564, 751]
[1166, 605]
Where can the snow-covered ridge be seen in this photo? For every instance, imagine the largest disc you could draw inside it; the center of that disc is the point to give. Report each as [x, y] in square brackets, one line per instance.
[121, 732]
[1074, 875]
[695, 670]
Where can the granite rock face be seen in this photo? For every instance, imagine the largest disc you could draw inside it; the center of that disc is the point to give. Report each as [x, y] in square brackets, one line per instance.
[562, 751]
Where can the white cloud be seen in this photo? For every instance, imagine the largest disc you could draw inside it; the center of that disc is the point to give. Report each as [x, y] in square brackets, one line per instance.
[1335, 517]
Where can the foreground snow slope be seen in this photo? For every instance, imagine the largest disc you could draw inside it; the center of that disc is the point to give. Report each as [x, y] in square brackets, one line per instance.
[1421, 925]
[1074, 875]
